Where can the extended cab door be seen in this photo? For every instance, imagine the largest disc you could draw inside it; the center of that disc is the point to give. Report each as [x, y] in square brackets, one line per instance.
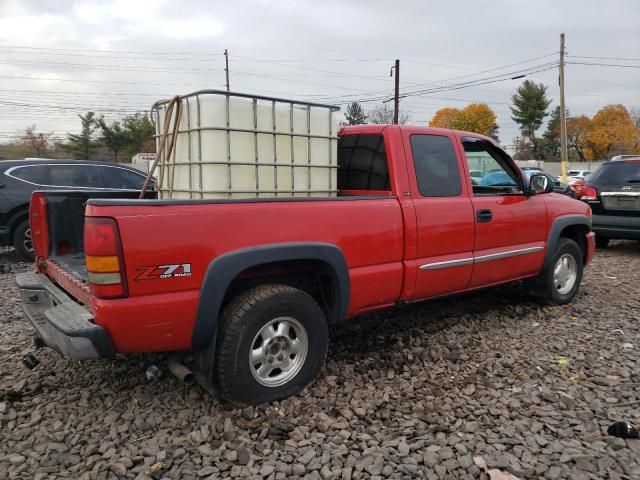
[443, 210]
[510, 226]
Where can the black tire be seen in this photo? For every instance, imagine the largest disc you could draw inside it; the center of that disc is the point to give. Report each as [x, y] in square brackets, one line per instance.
[602, 242]
[22, 241]
[544, 288]
[242, 320]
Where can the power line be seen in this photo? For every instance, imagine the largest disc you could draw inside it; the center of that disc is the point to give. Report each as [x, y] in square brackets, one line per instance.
[440, 85]
[483, 81]
[110, 67]
[97, 81]
[59, 107]
[110, 51]
[494, 69]
[606, 58]
[604, 64]
[312, 69]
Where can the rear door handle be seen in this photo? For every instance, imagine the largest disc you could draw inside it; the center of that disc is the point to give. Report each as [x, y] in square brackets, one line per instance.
[484, 216]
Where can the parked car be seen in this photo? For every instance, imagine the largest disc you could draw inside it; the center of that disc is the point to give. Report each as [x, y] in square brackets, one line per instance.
[624, 157]
[573, 175]
[20, 178]
[498, 179]
[558, 186]
[613, 192]
[250, 287]
[501, 178]
[477, 174]
[533, 169]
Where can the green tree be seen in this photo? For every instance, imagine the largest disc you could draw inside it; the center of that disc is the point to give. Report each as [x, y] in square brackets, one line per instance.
[139, 131]
[83, 144]
[114, 136]
[529, 109]
[355, 114]
[126, 136]
[551, 136]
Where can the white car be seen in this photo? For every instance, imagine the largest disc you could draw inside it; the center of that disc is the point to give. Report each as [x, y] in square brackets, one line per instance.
[573, 175]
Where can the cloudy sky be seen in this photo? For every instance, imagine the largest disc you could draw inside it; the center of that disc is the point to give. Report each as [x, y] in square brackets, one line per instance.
[59, 58]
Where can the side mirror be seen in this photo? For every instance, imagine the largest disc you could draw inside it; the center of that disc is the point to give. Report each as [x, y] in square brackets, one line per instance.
[540, 184]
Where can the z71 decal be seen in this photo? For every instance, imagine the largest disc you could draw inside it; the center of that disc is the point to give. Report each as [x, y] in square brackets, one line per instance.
[164, 271]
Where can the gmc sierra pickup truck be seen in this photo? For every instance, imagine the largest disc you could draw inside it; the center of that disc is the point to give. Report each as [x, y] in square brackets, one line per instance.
[249, 288]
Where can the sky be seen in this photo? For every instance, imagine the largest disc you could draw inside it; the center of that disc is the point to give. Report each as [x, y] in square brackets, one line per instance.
[60, 58]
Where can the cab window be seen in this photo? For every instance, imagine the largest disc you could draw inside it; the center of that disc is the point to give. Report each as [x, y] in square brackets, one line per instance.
[362, 163]
[436, 166]
[498, 176]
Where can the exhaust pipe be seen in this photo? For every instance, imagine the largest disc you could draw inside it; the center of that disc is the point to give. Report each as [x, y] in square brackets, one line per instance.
[180, 370]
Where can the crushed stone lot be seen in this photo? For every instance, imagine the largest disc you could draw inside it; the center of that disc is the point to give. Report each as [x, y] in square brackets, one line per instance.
[416, 392]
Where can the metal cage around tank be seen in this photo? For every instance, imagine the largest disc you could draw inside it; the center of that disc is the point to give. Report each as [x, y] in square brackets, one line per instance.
[307, 136]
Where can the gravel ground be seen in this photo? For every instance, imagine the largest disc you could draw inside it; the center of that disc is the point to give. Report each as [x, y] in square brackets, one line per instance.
[426, 391]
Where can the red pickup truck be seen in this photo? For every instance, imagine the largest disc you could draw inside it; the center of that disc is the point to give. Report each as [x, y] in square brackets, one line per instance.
[249, 288]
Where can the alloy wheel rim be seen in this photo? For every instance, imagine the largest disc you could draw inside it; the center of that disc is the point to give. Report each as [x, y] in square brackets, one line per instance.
[278, 351]
[565, 273]
[27, 242]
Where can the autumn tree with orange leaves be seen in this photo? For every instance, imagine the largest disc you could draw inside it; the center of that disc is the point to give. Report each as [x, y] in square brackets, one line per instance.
[444, 118]
[577, 130]
[475, 117]
[611, 131]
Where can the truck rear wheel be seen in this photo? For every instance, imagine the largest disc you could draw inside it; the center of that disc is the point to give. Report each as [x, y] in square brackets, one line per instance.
[272, 344]
[559, 284]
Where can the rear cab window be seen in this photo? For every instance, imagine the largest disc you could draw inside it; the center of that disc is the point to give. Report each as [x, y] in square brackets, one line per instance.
[362, 165]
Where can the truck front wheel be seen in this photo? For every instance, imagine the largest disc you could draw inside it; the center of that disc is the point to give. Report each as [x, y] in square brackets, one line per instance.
[272, 344]
[561, 281]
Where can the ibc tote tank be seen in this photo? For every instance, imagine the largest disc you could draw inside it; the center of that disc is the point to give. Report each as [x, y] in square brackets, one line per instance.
[232, 145]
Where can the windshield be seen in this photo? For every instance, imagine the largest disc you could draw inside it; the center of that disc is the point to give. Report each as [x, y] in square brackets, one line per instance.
[617, 173]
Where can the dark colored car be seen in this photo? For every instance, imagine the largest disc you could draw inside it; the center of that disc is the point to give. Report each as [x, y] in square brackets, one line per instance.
[20, 178]
[613, 191]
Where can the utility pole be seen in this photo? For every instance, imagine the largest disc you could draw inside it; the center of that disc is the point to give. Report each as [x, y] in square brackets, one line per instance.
[396, 97]
[563, 117]
[226, 66]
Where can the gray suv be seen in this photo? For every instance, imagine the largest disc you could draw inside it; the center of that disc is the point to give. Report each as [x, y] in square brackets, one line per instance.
[20, 178]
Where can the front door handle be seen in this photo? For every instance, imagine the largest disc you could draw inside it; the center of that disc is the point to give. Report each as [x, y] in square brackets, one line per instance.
[484, 216]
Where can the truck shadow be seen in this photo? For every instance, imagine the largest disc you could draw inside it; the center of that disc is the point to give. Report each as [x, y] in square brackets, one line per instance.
[413, 324]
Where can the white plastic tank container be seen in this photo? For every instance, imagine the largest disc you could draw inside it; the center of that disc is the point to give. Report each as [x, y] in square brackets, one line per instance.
[233, 145]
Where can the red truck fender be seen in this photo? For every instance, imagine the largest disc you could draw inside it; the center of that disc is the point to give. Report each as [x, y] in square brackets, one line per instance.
[575, 227]
[224, 269]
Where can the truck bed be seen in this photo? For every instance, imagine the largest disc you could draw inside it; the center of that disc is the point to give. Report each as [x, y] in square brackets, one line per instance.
[65, 220]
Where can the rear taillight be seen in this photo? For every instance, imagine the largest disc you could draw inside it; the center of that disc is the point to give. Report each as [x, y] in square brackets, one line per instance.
[584, 191]
[38, 224]
[103, 258]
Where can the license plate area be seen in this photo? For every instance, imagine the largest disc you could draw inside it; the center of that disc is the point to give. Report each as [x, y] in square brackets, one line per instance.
[621, 202]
